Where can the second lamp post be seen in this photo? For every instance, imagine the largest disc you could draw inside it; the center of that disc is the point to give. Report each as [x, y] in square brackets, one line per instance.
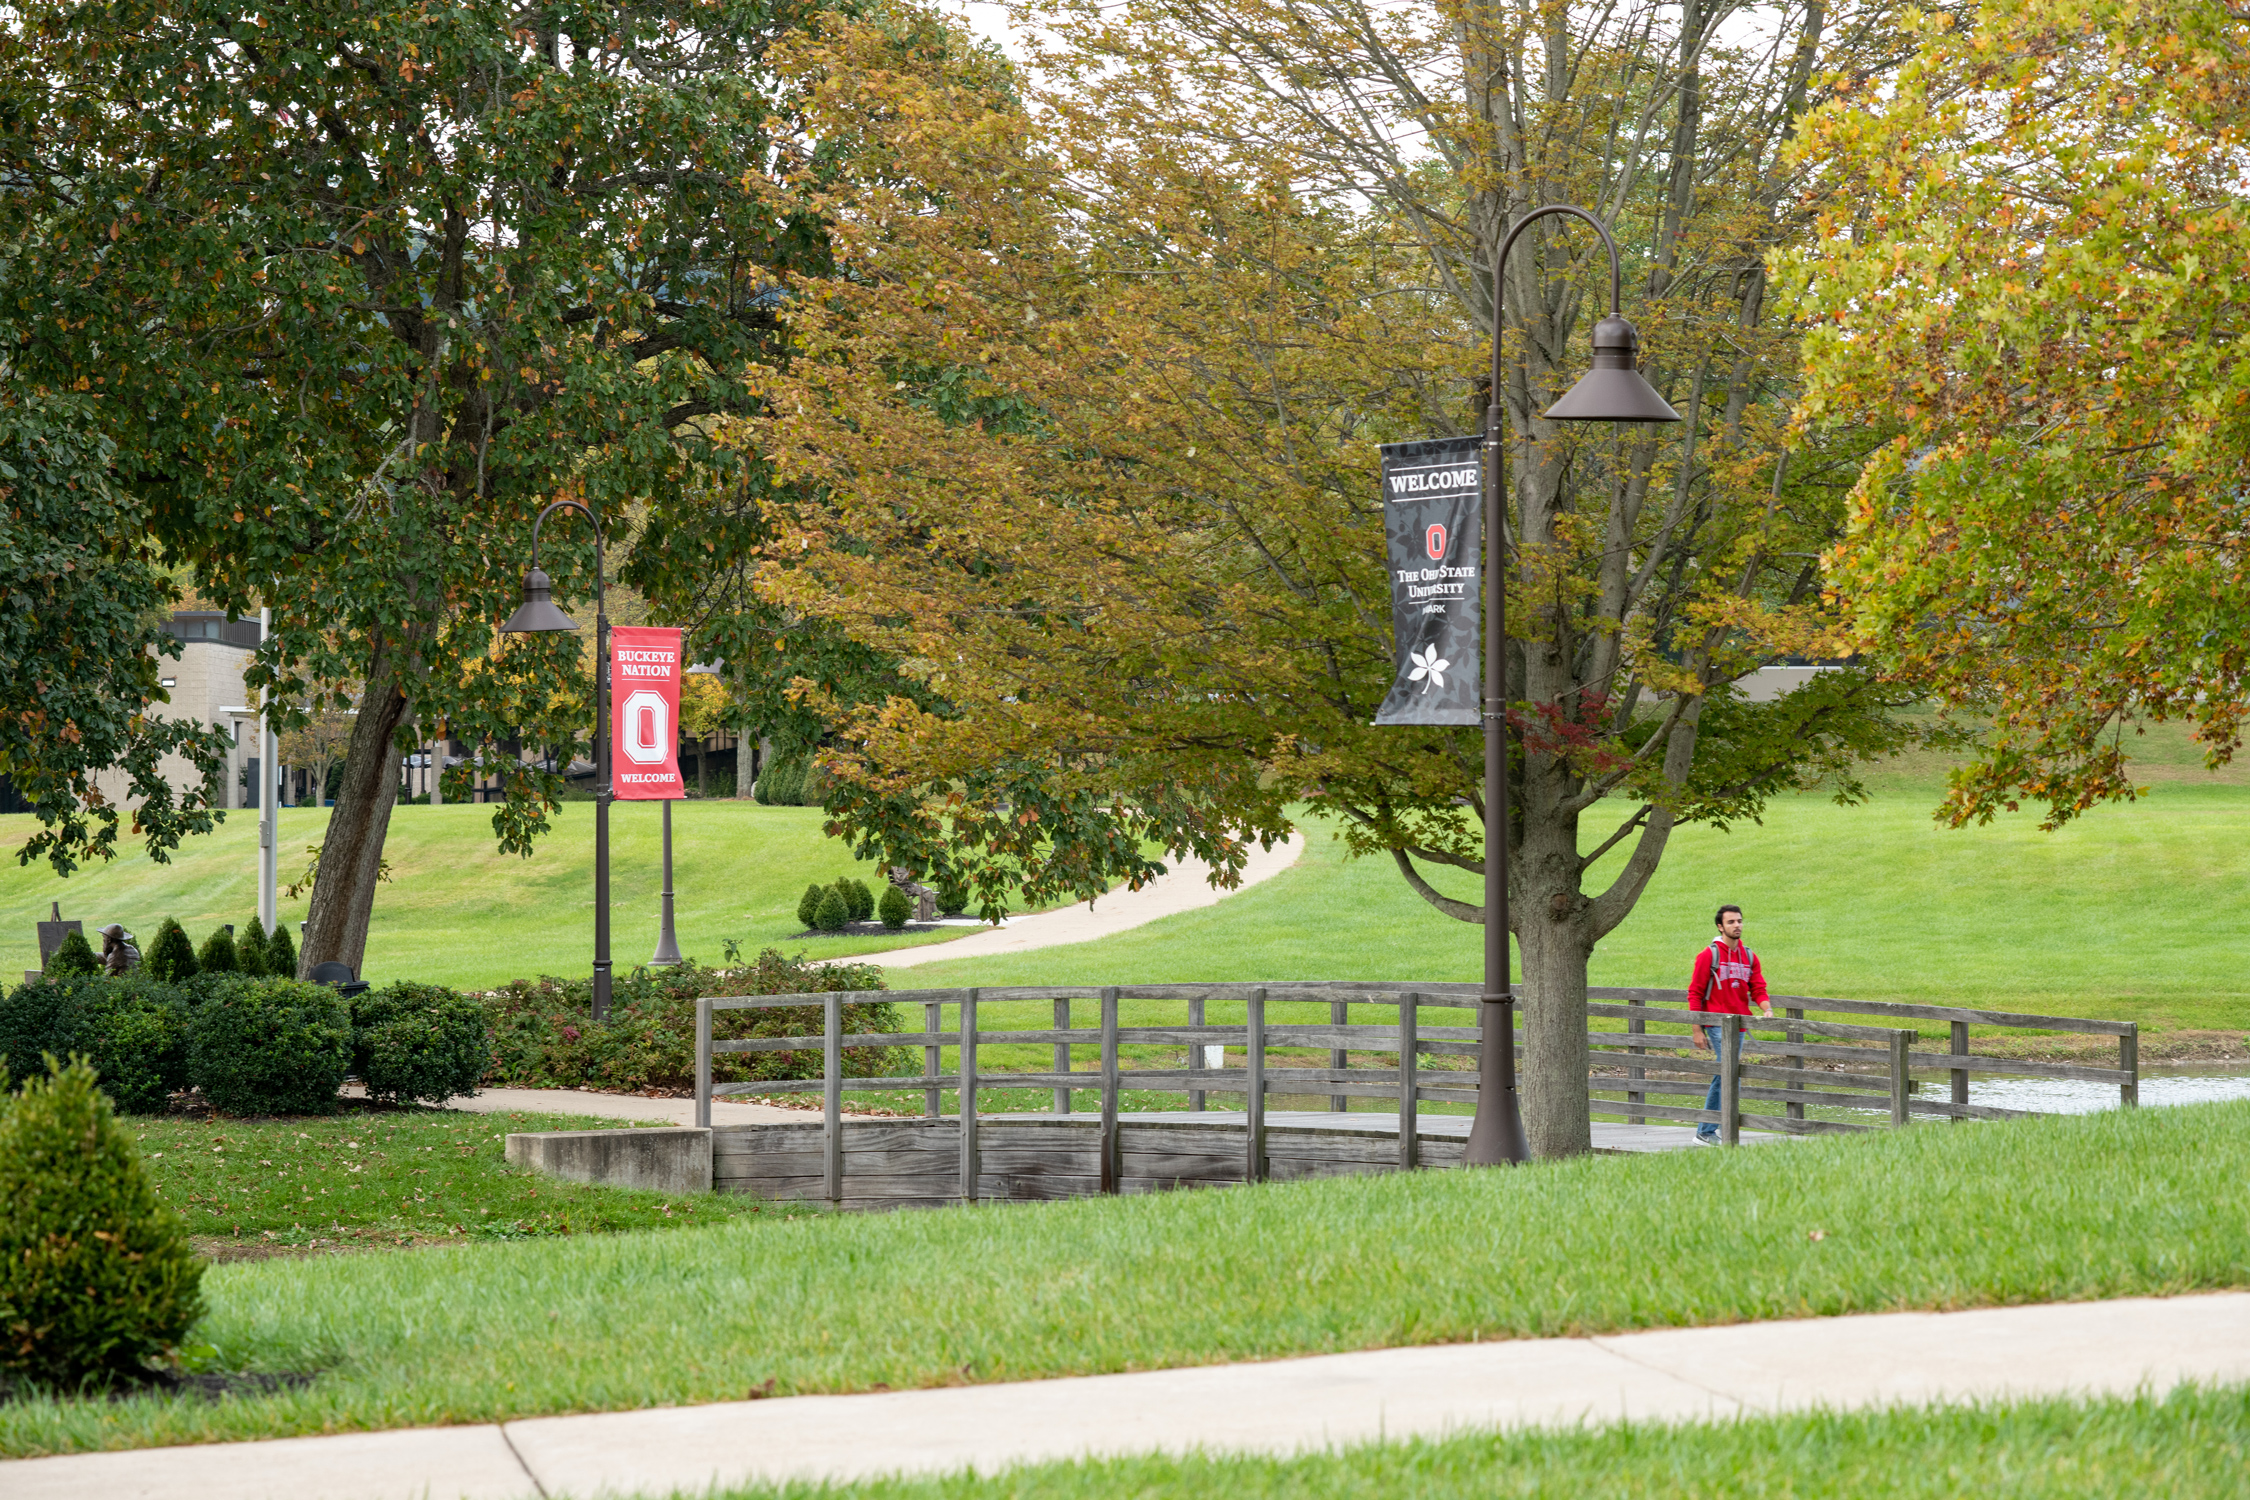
[1613, 391]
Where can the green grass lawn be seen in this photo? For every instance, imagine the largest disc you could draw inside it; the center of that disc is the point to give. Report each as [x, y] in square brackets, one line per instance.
[2128, 1203]
[2193, 1443]
[456, 912]
[2131, 913]
[389, 1177]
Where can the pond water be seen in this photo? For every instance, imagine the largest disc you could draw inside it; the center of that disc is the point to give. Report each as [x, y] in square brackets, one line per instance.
[2071, 1096]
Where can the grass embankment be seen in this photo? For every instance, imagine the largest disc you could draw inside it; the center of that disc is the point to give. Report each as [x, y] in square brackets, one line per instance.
[2191, 1444]
[2128, 1203]
[388, 1177]
[457, 912]
[2131, 913]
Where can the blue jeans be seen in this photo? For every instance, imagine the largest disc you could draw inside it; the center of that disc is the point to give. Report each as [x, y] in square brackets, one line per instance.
[1711, 1097]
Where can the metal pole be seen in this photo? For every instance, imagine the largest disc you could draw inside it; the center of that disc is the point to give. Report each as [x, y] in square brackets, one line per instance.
[601, 786]
[1496, 1135]
[667, 946]
[269, 781]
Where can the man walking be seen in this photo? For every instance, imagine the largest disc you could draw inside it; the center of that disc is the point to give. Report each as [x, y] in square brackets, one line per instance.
[1727, 982]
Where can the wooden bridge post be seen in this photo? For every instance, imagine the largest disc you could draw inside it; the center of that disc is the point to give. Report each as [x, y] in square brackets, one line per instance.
[969, 1096]
[1635, 1026]
[1409, 1026]
[1796, 1064]
[1254, 1167]
[2129, 1060]
[1902, 1042]
[1062, 1055]
[1339, 1014]
[1109, 1091]
[832, 1093]
[703, 1063]
[1195, 1054]
[1730, 1080]
[933, 1016]
[1960, 1076]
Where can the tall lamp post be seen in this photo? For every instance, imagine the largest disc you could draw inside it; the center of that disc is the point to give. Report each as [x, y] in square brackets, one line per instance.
[1613, 391]
[538, 613]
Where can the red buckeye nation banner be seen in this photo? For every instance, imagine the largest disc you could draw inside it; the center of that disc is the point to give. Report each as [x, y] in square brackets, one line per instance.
[644, 713]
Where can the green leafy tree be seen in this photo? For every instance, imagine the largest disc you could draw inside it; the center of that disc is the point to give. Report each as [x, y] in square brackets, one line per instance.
[82, 645]
[2054, 537]
[358, 288]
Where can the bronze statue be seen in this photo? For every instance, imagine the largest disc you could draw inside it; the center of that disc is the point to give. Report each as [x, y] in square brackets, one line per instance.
[118, 952]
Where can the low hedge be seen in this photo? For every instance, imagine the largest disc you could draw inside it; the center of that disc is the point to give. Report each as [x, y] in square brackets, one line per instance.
[419, 1041]
[270, 1046]
[133, 1031]
[542, 1036]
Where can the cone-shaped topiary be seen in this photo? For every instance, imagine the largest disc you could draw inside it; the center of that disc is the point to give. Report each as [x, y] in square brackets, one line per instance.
[808, 906]
[858, 897]
[95, 1274]
[217, 954]
[894, 908]
[281, 953]
[835, 912]
[75, 956]
[171, 958]
[250, 949]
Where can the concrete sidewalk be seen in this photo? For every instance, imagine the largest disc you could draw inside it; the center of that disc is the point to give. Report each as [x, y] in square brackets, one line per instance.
[1288, 1406]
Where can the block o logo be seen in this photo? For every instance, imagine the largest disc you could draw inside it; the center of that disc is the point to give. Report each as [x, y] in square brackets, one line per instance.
[648, 728]
[1434, 541]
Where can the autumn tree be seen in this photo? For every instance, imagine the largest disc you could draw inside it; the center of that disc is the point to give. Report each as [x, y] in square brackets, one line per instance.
[355, 288]
[1094, 418]
[2056, 536]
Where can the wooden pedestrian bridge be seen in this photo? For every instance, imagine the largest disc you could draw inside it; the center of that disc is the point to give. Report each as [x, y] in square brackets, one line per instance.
[1074, 1088]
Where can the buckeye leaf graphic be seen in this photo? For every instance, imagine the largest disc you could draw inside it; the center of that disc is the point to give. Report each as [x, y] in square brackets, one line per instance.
[1427, 664]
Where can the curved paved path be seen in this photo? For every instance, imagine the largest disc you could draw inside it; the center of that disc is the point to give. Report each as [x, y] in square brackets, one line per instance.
[1185, 887]
[1668, 1375]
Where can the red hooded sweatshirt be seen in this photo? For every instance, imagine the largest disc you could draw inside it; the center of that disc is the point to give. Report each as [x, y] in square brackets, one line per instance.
[1739, 981]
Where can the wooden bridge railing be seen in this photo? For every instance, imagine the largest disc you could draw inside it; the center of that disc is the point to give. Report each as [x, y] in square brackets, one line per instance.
[1789, 1060]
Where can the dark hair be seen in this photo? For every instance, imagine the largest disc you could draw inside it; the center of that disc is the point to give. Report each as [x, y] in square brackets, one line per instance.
[1721, 914]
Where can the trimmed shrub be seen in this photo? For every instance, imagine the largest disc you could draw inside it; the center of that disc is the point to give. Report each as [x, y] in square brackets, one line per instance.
[270, 1047]
[171, 958]
[952, 895]
[217, 955]
[808, 907]
[782, 783]
[835, 912]
[857, 896]
[418, 1041]
[133, 1030]
[250, 949]
[541, 1037]
[895, 909]
[96, 1275]
[281, 953]
[74, 956]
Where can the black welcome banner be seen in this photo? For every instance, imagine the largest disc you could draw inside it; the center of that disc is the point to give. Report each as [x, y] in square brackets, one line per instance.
[1433, 522]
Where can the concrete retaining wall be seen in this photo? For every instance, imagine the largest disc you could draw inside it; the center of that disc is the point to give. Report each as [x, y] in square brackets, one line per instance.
[668, 1160]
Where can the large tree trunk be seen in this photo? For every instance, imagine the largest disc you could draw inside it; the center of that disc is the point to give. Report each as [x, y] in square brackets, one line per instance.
[351, 857]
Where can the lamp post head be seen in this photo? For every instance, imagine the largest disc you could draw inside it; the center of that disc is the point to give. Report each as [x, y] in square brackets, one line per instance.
[537, 612]
[1613, 391]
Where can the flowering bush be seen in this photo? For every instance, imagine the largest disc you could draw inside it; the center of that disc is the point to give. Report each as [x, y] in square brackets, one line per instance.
[542, 1037]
